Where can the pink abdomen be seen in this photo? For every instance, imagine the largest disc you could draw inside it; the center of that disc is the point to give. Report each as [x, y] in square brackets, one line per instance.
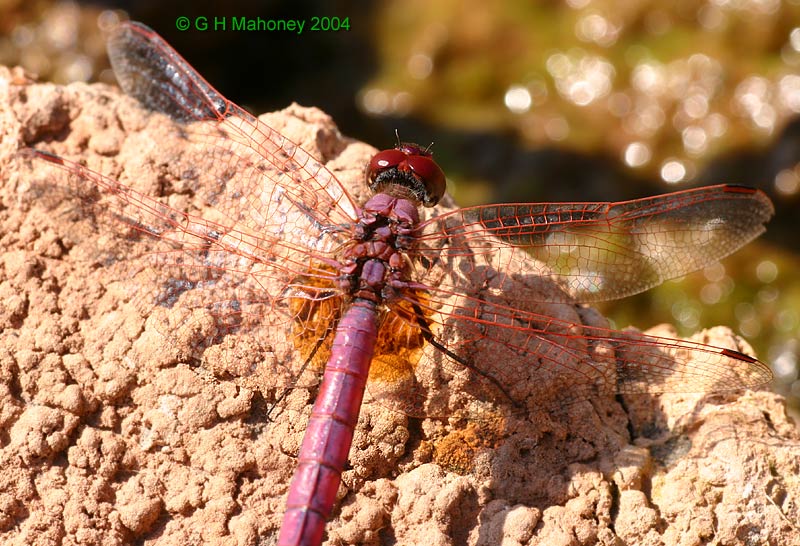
[330, 429]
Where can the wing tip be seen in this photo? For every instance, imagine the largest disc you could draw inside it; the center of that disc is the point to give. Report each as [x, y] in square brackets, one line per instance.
[762, 374]
[747, 191]
[739, 356]
[35, 153]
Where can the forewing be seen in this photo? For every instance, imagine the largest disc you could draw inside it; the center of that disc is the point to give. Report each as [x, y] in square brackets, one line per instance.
[592, 251]
[151, 71]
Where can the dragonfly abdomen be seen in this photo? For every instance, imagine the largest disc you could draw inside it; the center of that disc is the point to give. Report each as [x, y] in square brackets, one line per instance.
[329, 434]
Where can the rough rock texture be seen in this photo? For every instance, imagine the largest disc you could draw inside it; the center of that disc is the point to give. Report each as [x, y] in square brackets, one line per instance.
[111, 435]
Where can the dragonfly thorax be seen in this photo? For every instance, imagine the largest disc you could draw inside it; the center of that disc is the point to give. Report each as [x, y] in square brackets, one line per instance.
[375, 258]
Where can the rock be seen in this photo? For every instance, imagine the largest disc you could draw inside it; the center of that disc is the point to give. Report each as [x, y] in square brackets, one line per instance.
[141, 439]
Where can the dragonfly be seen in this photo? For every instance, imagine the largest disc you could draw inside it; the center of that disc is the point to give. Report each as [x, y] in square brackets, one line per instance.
[391, 295]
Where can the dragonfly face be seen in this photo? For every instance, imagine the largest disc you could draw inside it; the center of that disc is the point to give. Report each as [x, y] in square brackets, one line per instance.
[407, 171]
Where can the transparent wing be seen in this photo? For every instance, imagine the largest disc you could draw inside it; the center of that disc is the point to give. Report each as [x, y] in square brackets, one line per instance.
[217, 278]
[543, 358]
[151, 71]
[594, 251]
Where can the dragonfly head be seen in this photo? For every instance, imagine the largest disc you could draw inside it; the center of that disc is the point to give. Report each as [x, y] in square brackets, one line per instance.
[407, 171]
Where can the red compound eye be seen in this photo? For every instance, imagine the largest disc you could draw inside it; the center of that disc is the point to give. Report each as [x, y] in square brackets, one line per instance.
[385, 160]
[430, 173]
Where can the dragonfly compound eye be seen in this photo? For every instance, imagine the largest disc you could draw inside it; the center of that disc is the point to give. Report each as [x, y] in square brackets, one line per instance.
[408, 172]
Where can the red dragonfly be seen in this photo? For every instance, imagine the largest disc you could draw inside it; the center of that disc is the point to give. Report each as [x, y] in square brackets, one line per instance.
[388, 296]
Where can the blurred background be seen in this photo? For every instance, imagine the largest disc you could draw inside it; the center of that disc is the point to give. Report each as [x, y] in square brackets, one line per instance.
[569, 100]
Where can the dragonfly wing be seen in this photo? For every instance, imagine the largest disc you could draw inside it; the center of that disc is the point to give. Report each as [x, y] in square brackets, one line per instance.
[151, 71]
[199, 278]
[593, 251]
[530, 358]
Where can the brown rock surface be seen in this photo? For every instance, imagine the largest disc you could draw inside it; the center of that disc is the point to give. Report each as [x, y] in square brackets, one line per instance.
[111, 435]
